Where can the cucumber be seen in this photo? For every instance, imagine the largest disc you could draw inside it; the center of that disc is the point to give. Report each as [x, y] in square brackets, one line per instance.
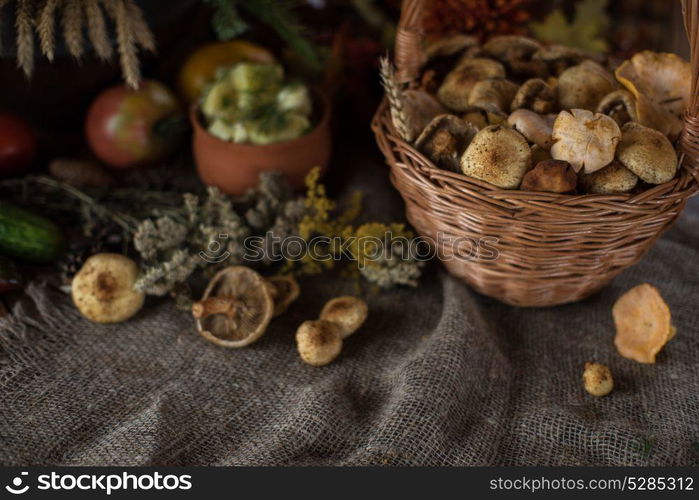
[28, 236]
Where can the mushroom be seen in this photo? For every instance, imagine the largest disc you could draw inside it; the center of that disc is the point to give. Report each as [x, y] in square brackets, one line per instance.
[236, 307]
[444, 140]
[457, 85]
[420, 108]
[584, 139]
[103, 290]
[539, 154]
[347, 312]
[493, 95]
[552, 176]
[620, 105]
[319, 342]
[583, 86]
[597, 379]
[498, 155]
[481, 118]
[285, 290]
[558, 58]
[614, 178]
[449, 45]
[643, 323]
[516, 53]
[534, 94]
[647, 153]
[534, 127]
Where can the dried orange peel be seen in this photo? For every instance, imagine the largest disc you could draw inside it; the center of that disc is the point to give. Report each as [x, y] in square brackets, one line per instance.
[643, 323]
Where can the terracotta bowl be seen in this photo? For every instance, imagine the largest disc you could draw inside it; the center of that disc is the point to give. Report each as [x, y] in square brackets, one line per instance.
[234, 168]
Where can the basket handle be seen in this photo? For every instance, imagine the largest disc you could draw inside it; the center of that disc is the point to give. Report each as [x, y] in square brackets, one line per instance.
[689, 140]
[409, 56]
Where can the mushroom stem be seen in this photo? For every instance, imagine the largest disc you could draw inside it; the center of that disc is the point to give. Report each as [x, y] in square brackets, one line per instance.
[226, 305]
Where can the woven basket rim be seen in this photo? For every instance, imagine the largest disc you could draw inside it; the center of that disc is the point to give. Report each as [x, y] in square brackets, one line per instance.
[684, 185]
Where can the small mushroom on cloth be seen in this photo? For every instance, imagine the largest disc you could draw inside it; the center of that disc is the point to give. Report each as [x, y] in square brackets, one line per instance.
[619, 105]
[319, 342]
[597, 379]
[536, 128]
[236, 307]
[285, 290]
[534, 94]
[583, 86]
[661, 83]
[420, 108]
[584, 139]
[445, 139]
[643, 323]
[348, 312]
[103, 290]
[493, 95]
[552, 176]
[614, 178]
[647, 153]
[516, 53]
[456, 88]
[498, 155]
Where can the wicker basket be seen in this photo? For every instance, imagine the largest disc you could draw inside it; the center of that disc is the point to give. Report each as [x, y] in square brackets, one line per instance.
[553, 248]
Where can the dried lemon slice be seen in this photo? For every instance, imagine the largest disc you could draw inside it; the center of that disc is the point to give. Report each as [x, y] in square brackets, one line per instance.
[642, 320]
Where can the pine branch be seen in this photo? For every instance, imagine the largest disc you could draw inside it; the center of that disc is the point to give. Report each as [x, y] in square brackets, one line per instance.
[72, 22]
[25, 36]
[280, 17]
[97, 29]
[46, 28]
[395, 97]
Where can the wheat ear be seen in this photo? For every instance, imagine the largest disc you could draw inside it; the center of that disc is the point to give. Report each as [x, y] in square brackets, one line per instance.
[46, 28]
[141, 31]
[97, 29]
[25, 36]
[396, 99]
[72, 22]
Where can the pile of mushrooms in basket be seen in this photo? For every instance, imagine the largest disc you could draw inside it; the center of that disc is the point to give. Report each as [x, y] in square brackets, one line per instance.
[521, 115]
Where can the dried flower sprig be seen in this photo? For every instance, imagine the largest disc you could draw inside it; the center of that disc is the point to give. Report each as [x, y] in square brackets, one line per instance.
[132, 32]
[396, 99]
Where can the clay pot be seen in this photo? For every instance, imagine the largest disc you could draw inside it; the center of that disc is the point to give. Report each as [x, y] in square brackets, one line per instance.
[234, 168]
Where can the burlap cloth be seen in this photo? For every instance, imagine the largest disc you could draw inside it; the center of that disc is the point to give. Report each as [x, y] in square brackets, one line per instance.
[438, 375]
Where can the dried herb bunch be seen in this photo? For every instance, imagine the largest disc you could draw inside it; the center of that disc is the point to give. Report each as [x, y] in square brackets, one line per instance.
[40, 17]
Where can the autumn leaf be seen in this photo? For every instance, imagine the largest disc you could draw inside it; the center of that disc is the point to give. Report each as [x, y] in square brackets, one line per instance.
[585, 31]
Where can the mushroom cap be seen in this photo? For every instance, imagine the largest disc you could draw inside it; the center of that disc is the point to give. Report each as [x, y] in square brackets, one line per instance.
[319, 342]
[597, 379]
[459, 82]
[254, 306]
[539, 154]
[481, 118]
[498, 155]
[561, 57]
[420, 108]
[535, 128]
[444, 140]
[103, 290]
[534, 94]
[493, 95]
[516, 53]
[643, 323]
[449, 45]
[585, 139]
[583, 86]
[653, 115]
[552, 176]
[647, 153]
[614, 178]
[620, 105]
[285, 290]
[663, 78]
[347, 312]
